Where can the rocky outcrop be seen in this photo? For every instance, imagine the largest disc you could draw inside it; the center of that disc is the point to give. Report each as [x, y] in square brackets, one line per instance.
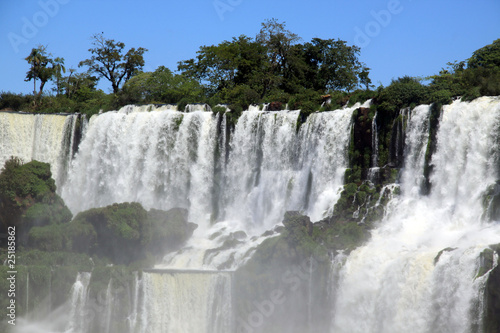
[492, 291]
[28, 198]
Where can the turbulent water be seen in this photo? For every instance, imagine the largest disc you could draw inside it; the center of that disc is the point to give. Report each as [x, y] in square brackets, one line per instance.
[45, 138]
[418, 272]
[397, 282]
[183, 302]
[245, 181]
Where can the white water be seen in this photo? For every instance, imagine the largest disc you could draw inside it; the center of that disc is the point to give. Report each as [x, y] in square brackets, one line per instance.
[78, 317]
[392, 283]
[167, 159]
[45, 138]
[173, 159]
[184, 302]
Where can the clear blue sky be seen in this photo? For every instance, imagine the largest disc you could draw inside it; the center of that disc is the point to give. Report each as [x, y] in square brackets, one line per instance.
[397, 37]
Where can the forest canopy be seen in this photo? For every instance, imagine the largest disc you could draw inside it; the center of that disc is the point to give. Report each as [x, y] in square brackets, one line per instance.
[276, 66]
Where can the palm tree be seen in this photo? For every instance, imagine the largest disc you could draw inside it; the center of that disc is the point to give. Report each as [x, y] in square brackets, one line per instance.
[34, 59]
[58, 66]
[39, 60]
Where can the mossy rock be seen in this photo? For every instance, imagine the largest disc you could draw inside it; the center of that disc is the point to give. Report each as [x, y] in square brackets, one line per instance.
[122, 231]
[77, 236]
[169, 230]
[28, 198]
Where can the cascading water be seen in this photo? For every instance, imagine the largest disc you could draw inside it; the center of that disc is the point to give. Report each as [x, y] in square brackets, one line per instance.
[78, 320]
[45, 138]
[373, 171]
[400, 281]
[245, 181]
[172, 159]
[418, 272]
[161, 159]
[178, 301]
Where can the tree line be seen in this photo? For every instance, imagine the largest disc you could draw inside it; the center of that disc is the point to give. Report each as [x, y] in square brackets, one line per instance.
[274, 66]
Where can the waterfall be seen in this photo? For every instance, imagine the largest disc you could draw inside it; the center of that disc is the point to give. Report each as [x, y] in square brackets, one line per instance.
[374, 142]
[177, 301]
[160, 159]
[245, 182]
[417, 135]
[419, 270]
[46, 138]
[79, 318]
[197, 107]
[374, 170]
[323, 160]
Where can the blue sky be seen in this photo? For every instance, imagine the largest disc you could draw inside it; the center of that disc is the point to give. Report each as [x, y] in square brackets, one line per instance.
[397, 37]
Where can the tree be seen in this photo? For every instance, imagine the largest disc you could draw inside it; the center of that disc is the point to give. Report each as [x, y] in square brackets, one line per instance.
[335, 65]
[278, 42]
[487, 56]
[161, 86]
[39, 61]
[75, 84]
[59, 68]
[226, 65]
[109, 61]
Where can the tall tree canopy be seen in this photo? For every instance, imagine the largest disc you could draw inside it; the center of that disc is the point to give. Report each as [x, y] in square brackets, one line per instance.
[335, 65]
[108, 60]
[487, 56]
[275, 64]
[226, 65]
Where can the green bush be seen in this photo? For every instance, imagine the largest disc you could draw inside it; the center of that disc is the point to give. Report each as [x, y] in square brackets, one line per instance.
[15, 102]
[401, 93]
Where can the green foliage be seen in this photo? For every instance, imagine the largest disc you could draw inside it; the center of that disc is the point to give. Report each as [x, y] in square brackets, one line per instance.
[32, 180]
[486, 57]
[402, 92]
[58, 258]
[14, 102]
[39, 61]
[241, 96]
[123, 233]
[54, 212]
[359, 96]
[219, 109]
[76, 236]
[334, 65]
[161, 86]
[181, 105]
[109, 61]
[28, 198]
[169, 230]
[226, 65]
[121, 230]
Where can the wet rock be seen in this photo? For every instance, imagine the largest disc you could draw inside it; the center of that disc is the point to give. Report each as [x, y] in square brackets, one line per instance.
[448, 249]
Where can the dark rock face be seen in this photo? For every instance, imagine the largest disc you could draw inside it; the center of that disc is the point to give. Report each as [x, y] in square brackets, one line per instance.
[491, 202]
[281, 275]
[274, 106]
[362, 139]
[492, 297]
[169, 230]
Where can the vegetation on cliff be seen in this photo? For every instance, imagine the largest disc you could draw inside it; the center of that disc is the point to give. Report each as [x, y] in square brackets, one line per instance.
[28, 198]
[51, 247]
